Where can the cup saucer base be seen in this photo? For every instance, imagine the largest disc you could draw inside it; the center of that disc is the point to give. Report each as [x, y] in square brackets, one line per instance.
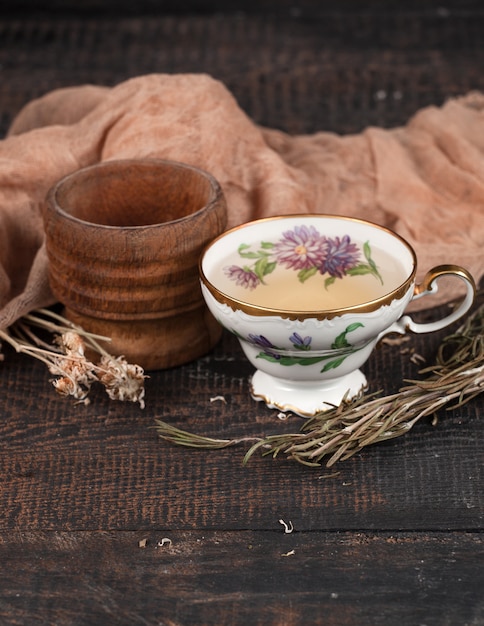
[305, 398]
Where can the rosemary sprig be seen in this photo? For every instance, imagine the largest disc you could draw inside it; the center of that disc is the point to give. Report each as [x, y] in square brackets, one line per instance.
[191, 440]
[337, 434]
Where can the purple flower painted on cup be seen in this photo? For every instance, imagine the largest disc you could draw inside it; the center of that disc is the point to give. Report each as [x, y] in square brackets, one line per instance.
[306, 251]
[299, 342]
[341, 256]
[265, 344]
[243, 277]
[301, 248]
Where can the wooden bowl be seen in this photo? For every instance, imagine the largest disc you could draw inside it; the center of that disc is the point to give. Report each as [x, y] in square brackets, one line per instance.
[123, 240]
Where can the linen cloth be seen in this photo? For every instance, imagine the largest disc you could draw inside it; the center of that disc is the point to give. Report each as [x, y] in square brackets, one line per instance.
[425, 180]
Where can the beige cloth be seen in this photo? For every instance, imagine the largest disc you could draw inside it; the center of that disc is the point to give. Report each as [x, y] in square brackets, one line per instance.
[425, 180]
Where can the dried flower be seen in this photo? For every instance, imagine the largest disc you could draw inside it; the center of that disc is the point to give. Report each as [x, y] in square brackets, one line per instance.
[71, 343]
[122, 380]
[66, 358]
[69, 387]
[76, 373]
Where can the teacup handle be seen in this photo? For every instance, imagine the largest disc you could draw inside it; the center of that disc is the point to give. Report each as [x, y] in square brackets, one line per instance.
[429, 286]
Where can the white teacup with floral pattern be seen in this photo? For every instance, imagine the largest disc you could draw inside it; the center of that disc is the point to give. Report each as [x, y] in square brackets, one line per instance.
[309, 296]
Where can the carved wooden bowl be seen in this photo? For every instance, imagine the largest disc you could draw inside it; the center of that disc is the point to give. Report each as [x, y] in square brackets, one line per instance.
[123, 240]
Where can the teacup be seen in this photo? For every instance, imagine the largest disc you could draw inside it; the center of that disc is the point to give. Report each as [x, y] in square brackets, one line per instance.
[309, 296]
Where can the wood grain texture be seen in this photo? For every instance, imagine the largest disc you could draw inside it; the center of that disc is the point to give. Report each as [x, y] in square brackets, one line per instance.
[338, 71]
[260, 578]
[123, 239]
[67, 466]
[394, 536]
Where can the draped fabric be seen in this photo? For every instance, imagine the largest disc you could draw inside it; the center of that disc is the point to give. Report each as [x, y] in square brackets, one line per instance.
[425, 180]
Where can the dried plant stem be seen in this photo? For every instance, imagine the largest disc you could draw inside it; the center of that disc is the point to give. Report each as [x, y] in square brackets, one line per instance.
[61, 325]
[190, 440]
[379, 419]
[66, 357]
[337, 434]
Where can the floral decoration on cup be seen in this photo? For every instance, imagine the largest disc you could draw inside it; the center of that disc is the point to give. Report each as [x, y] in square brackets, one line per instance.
[272, 353]
[305, 250]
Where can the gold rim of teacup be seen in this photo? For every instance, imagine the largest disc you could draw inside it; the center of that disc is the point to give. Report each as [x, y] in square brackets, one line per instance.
[326, 314]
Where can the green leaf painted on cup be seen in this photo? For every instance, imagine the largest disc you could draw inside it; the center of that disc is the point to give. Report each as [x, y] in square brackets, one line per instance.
[371, 262]
[290, 360]
[333, 364]
[304, 274]
[360, 270]
[340, 343]
[263, 267]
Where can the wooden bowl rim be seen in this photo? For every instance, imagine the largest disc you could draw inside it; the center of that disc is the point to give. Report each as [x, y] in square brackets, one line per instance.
[214, 195]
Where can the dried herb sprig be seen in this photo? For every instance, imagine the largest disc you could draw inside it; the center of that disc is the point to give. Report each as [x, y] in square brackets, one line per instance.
[337, 434]
[66, 358]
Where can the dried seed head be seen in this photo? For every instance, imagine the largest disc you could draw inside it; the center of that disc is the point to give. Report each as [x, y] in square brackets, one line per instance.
[68, 387]
[67, 360]
[76, 372]
[71, 343]
[80, 370]
[122, 380]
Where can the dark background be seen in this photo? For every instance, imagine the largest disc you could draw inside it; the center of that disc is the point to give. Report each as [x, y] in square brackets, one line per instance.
[282, 7]
[391, 536]
[298, 66]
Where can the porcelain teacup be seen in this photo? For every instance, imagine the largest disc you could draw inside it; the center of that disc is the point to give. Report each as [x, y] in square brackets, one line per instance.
[309, 296]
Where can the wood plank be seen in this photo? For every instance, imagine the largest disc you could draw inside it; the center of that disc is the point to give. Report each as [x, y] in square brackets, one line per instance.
[395, 536]
[67, 466]
[338, 71]
[246, 577]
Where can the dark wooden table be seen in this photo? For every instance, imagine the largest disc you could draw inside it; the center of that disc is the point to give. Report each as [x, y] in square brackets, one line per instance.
[101, 522]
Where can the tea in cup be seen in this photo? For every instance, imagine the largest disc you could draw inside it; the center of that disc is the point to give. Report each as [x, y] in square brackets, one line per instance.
[309, 296]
